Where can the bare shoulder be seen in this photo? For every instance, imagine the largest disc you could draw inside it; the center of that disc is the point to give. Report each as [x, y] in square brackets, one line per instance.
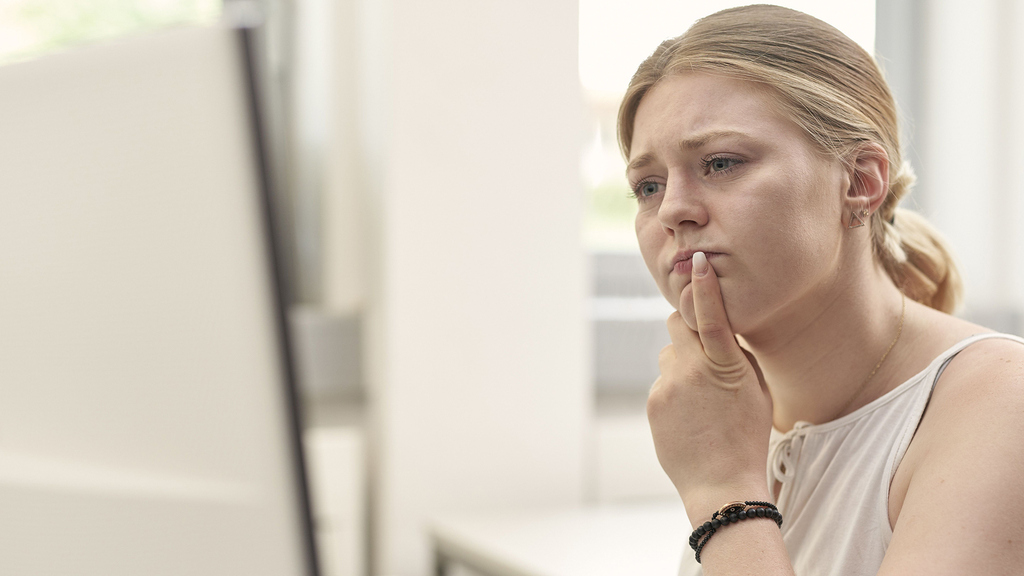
[965, 468]
[977, 405]
[987, 374]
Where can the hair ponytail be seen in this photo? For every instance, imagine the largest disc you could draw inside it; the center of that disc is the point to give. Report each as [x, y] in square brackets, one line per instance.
[912, 251]
[919, 261]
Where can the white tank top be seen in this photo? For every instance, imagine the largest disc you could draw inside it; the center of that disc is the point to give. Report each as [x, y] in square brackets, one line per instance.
[835, 478]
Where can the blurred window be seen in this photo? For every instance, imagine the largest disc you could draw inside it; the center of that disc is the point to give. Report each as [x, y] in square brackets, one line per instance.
[29, 28]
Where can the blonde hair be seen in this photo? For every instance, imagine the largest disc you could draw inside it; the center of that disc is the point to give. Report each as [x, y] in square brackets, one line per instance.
[832, 88]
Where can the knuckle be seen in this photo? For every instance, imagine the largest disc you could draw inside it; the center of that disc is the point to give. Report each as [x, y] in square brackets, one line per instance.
[667, 352]
[732, 375]
[676, 322]
[656, 399]
[664, 392]
[665, 359]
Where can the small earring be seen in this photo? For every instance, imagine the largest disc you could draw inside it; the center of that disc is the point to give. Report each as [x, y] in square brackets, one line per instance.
[856, 221]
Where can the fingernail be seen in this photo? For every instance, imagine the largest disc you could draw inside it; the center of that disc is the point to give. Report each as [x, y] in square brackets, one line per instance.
[700, 263]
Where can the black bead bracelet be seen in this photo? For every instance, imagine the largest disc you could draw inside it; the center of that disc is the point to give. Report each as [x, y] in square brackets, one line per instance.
[728, 514]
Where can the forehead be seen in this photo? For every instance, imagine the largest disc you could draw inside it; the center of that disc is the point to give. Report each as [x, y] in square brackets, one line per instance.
[684, 106]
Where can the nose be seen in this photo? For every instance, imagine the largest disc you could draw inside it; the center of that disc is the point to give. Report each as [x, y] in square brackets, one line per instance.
[682, 206]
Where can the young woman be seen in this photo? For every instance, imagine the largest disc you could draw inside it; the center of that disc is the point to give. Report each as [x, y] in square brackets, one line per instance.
[813, 328]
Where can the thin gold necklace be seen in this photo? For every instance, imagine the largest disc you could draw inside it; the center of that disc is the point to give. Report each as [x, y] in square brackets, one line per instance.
[899, 331]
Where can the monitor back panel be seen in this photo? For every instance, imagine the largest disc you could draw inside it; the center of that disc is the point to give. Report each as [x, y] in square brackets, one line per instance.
[146, 420]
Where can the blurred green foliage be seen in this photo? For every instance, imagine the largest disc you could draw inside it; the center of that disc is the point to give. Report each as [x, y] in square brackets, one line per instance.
[608, 224]
[59, 23]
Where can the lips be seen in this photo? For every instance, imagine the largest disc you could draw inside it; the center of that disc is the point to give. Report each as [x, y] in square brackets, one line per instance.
[683, 262]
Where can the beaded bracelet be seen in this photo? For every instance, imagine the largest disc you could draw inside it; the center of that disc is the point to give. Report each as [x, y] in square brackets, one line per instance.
[732, 512]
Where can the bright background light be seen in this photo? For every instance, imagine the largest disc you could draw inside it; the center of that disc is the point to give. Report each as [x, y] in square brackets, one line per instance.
[30, 28]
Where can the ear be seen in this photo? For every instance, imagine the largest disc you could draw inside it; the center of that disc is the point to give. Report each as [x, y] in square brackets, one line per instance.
[869, 179]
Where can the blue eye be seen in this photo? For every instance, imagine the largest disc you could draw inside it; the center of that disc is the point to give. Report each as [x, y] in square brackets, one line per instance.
[646, 188]
[719, 163]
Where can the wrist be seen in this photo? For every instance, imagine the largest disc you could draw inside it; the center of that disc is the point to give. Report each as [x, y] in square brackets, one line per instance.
[732, 513]
[701, 503]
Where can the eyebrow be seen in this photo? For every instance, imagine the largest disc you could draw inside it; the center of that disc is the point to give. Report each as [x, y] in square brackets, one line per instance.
[639, 162]
[686, 144]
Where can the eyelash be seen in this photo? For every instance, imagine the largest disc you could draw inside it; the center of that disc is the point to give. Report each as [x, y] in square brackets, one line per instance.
[705, 164]
[635, 193]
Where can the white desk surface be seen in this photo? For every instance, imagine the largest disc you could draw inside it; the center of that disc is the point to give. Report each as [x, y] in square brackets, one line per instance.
[608, 540]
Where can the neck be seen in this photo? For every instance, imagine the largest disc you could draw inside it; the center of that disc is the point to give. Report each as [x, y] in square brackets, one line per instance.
[817, 366]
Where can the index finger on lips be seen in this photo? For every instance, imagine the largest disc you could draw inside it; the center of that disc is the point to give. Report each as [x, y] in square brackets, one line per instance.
[713, 326]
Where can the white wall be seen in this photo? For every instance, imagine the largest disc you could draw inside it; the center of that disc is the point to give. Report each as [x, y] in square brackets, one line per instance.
[468, 131]
[968, 137]
[1012, 47]
[959, 131]
[337, 478]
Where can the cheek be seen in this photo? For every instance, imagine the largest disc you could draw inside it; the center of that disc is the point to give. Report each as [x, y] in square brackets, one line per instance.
[647, 231]
[651, 239]
[784, 269]
[808, 255]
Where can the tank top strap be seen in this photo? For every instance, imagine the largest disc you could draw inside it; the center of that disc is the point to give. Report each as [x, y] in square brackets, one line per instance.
[916, 412]
[948, 355]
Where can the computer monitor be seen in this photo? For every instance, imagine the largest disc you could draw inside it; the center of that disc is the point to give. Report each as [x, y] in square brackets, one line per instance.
[148, 420]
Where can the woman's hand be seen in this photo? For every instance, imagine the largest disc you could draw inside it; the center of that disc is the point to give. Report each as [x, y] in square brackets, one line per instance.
[710, 411]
